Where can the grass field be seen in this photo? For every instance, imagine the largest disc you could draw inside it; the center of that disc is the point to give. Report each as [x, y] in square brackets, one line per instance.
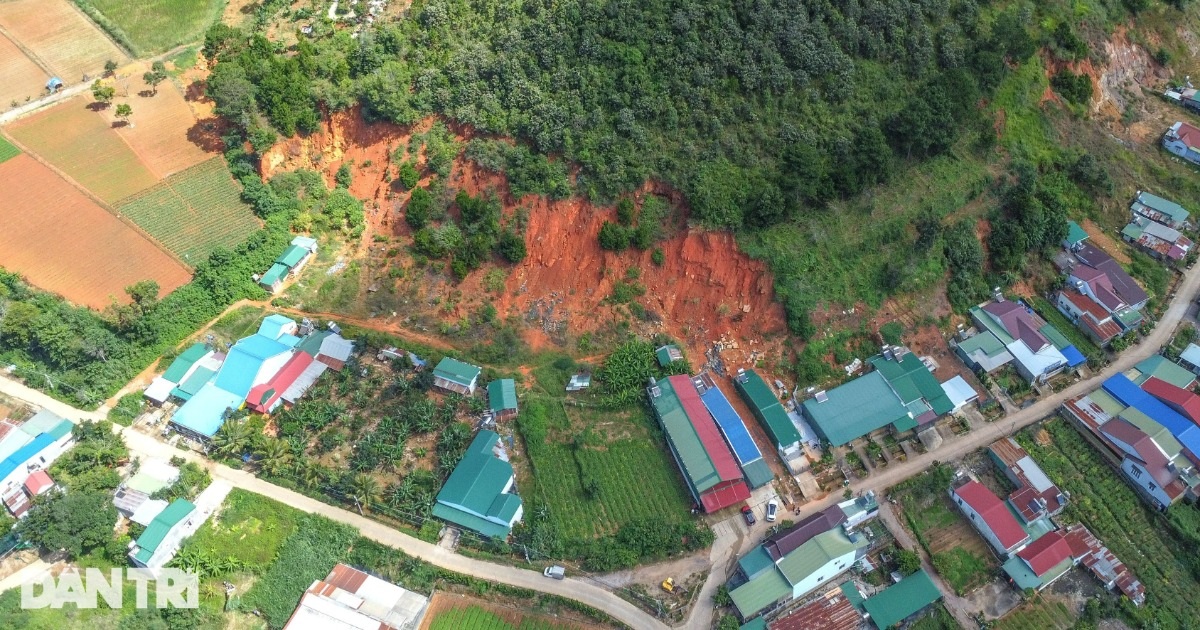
[1038, 614]
[476, 618]
[83, 145]
[59, 34]
[23, 79]
[7, 150]
[193, 212]
[633, 472]
[155, 26]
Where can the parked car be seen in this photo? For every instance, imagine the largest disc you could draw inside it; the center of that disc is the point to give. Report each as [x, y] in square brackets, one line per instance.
[555, 572]
[748, 514]
[772, 508]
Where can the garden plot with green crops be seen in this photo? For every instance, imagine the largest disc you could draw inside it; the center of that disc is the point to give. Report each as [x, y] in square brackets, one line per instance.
[7, 150]
[193, 212]
[476, 618]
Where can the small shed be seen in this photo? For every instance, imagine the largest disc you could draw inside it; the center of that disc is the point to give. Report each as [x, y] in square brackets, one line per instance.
[502, 398]
[38, 483]
[579, 382]
[668, 354]
[1076, 235]
[453, 375]
[273, 279]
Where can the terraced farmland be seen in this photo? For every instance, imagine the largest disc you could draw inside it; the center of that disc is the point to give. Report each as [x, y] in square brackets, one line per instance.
[193, 212]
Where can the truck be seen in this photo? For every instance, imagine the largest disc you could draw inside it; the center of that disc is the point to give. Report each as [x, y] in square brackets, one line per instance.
[555, 572]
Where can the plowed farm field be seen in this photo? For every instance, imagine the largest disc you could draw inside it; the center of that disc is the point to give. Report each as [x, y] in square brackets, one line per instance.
[159, 135]
[22, 78]
[84, 145]
[64, 243]
[193, 212]
[60, 36]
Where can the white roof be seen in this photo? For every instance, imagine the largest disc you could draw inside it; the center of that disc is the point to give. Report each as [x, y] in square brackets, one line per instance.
[959, 391]
[337, 347]
[304, 381]
[1037, 363]
[160, 389]
[159, 469]
[1034, 474]
[147, 511]
[1191, 354]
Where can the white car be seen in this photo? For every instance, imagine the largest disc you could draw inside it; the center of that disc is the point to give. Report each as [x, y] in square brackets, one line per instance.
[772, 508]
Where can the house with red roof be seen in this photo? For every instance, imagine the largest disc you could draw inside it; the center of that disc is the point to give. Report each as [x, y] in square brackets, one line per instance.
[1181, 400]
[1040, 563]
[1035, 496]
[265, 397]
[990, 516]
[1183, 140]
[1087, 550]
[1088, 316]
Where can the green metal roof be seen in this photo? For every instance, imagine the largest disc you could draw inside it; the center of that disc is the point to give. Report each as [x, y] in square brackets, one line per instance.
[1165, 206]
[758, 473]
[311, 344]
[143, 482]
[758, 623]
[1105, 400]
[502, 394]
[1132, 232]
[184, 362]
[40, 423]
[911, 380]
[1025, 578]
[456, 371]
[852, 594]
[667, 354]
[766, 408]
[855, 409]
[291, 256]
[755, 562]
[817, 553]
[699, 470]
[981, 316]
[1075, 233]
[1128, 317]
[989, 344]
[762, 591]
[1164, 369]
[474, 493]
[898, 602]
[158, 528]
[193, 383]
[273, 275]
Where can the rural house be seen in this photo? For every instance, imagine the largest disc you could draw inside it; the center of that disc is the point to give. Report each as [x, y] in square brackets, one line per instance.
[733, 428]
[712, 475]
[157, 544]
[990, 516]
[1183, 140]
[772, 417]
[1103, 564]
[502, 398]
[913, 384]
[1162, 368]
[1038, 350]
[1040, 563]
[31, 447]
[1087, 314]
[1157, 240]
[1035, 496]
[1190, 358]
[289, 263]
[455, 376]
[132, 497]
[1115, 291]
[1159, 210]
[480, 495]
[832, 611]
[327, 347]
[349, 599]
[1076, 235]
[180, 369]
[902, 600]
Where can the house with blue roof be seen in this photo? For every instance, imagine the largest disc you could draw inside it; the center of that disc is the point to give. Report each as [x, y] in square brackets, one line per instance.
[37, 454]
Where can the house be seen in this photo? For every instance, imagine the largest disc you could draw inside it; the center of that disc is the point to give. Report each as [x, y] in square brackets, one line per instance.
[1157, 240]
[19, 501]
[762, 583]
[913, 384]
[758, 473]
[765, 406]
[182, 367]
[833, 611]
[1182, 401]
[990, 517]
[1190, 358]
[1159, 210]
[859, 510]
[152, 475]
[959, 392]
[857, 408]
[502, 398]
[1076, 235]
[983, 352]
[32, 447]
[349, 599]
[327, 347]
[1103, 564]
[455, 376]
[667, 355]
[1026, 337]
[1088, 315]
[273, 279]
[1147, 466]
[1035, 496]
[1104, 280]
[157, 544]
[1162, 368]
[289, 263]
[902, 600]
[709, 468]
[1183, 140]
[480, 494]
[1041, 563]
[266, 397]
[205, 370]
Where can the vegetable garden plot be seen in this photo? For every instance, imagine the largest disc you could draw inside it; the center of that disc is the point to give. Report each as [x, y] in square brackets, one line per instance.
[7, 150]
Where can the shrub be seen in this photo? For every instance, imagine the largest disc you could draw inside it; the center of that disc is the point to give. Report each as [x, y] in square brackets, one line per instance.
[416, 213]
[343, 176]
[613, 237]
[408, 175]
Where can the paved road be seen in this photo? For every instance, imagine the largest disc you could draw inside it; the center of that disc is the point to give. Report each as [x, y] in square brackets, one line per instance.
[585, 592]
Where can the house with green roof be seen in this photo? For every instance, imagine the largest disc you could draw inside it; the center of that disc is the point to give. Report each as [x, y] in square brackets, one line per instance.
[913, 384]
[502, 398]
[162, 537]
[453, 375]
[1163, 369]
[902, 600]
[289, 263]
[480, 494]
[188, 362]
[761, 585]
[1157, 209]
[668, 354]
[765, 406]
[1076, 235]
[858, 408]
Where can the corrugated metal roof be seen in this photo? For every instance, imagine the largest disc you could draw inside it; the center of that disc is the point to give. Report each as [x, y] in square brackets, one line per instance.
[273, 275]
[765, 404]
[762, 591]
[992, 510]
[1075, 233]
[502, 394]
[158, 529]
[731, 425]
[304, 381]
[292, 256]
[263, 397]
[1183, 429]
[912, 380]
[815, 554]
[204, 413]
[1045, 552]
[902, 600]
[476, 487]
[1164, 369]
[180, 366]
[192, 384]
[273, 326]
[40, 423]
[456, 371]
[857, 408]
[1164, 206]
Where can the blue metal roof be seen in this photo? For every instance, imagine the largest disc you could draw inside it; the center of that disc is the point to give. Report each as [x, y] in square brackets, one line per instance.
[204, 413]
[1129, 394]
[24, 454]
[1074, 356]
[245, 358]
[731, 425]
[273, 325]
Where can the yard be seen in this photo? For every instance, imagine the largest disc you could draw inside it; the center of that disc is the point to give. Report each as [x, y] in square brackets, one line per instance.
[1039, 613]
[154, 26]
[451, 612]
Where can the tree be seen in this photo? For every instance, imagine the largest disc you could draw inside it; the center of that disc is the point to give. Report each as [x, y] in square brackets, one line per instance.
[103, 93]
[416, 213]
[231, 439]
[76, 522]
[613, 237]
[156, 75]
[365, 490]
[408, 175]
[110, 67]
[907, 561]
[344, 176]
[273, 456]
[124, 111]
[511, 246]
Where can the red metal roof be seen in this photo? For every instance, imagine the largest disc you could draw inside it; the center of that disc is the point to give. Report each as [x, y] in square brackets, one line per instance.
[1045, 553]
[38, 483]
[274, 388]
[993, 512]
[706, 428]
[1189, 134]
[723, 495]
[826, 613]
[1179, 399]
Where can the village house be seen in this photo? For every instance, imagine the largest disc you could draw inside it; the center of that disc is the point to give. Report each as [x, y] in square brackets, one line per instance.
[902, 600]
[756, 470]
[1157, 240]
[289, 263]
[1087, 314]
[1040, 563]
[1103, 564]
[349, 599]
[1183, 140]
[454, 376]
[772, 417]
[1034, 347]
[27, 449]
[1159, 210]
[480, 494]
[1035, 496]
[502, 398]
[989, 516]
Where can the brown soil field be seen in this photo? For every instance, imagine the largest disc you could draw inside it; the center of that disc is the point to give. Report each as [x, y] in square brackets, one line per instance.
[1105, 241]
[706, 289]
[63, 242]
[83, 144]
[58, 34]
[159, 133]
[23, 78]
[442, 602]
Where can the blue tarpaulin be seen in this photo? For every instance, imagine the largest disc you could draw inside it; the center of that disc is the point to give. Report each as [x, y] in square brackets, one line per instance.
[1074, 357]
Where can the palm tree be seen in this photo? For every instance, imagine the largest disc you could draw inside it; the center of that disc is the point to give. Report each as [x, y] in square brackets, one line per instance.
[274, 455]
[307, 473]
[365, 490]
[231, 439]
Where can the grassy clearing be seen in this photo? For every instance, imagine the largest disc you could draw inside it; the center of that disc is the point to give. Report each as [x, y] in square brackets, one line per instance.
[476, 618]
[7, 150]
[194, 212]
[963, 570]
[154, 26]
[936, 618]
[1038, 614]
[1064, 326]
